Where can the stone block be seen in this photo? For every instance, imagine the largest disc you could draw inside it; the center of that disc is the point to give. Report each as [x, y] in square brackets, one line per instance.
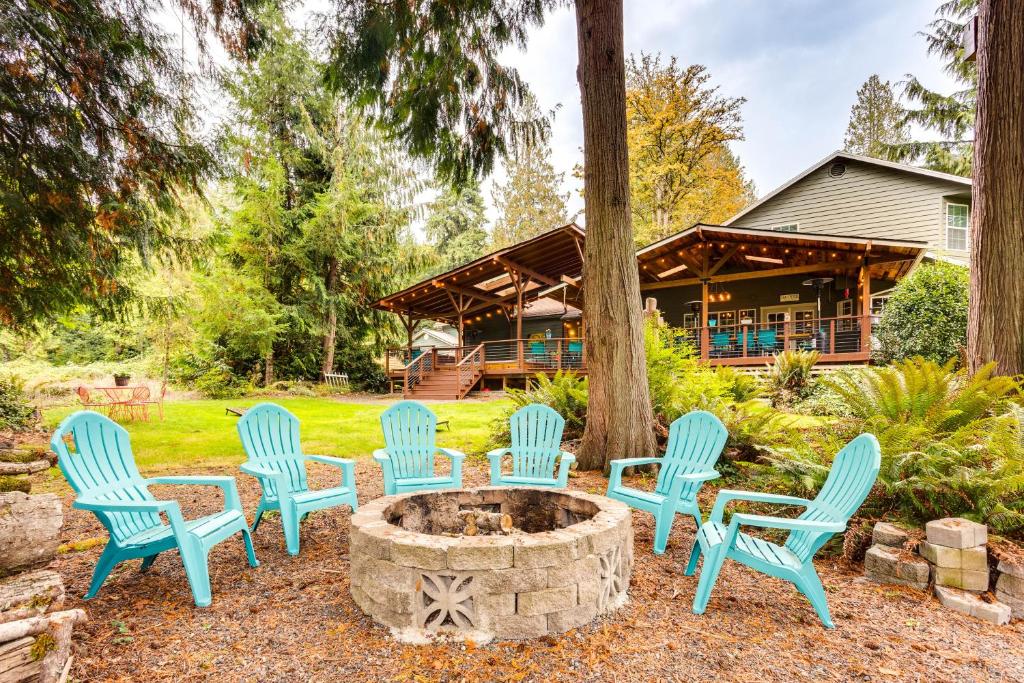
[481, 553]
[547, 600]
[956, 532]
[490, 606]
[1010, 584]
[544, 550]
[967, 603]
[571, 618]
[423, 552]
[884, 564]
[889, 534]
[511, 581]
[1015, 604]
[371, 539]
[380, 611]
[574, 572]
[1014, 568]
[964, 579]
[975, 558]
[588, 592]
[520, 626]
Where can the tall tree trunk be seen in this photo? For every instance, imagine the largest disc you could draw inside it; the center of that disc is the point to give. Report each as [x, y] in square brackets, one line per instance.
[268, 368]
[619, 418]
[996, 327]
[332, 316]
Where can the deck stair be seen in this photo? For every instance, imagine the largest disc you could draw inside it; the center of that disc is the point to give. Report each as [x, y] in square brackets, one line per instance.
[443, 384]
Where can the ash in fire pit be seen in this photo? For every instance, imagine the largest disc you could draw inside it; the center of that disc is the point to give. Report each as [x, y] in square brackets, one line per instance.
[490, 562]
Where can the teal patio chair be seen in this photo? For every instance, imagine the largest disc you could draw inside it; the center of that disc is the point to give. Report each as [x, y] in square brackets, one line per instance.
[409, 451]
[851, 478]
[721, 343]
[766, 340]
[100, 467]
[270, 438]
[536, 444]
[695, 442]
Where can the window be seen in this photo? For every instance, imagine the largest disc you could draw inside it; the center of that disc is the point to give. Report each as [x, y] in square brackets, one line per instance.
[844, 309]
[957, 224]
[787, 227]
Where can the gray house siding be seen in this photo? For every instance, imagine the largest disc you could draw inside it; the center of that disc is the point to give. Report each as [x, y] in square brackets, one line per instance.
[867, 201]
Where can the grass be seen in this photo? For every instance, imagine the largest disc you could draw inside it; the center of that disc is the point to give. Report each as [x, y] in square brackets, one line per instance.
[199, 433]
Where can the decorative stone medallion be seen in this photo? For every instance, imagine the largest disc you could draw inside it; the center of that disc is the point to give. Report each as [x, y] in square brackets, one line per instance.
[567, 561]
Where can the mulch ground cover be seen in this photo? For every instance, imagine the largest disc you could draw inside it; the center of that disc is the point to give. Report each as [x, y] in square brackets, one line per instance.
[292, 618]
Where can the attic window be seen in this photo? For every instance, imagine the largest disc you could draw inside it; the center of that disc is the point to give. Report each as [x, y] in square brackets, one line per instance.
[837, 170]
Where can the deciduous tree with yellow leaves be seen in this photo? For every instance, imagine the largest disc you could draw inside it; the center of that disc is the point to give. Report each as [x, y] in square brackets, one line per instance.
[681, 168]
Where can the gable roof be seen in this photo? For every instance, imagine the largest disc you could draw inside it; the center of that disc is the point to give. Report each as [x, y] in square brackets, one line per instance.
[905, 168]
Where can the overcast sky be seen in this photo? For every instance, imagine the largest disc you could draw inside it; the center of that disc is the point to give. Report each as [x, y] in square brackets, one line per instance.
[798, 63]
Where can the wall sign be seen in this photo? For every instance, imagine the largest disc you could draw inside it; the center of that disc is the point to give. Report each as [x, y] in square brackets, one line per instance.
[786, 298]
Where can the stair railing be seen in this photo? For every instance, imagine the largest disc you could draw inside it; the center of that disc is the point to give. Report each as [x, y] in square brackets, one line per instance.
[420, 366]
[468, 367]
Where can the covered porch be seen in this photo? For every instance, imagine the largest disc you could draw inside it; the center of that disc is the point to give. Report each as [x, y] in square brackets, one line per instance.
[741, 295]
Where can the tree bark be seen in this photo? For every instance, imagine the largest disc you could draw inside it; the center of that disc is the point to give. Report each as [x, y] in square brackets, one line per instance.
[268, 368]
[29, 530]
[996, 324]
[332, 317]
[619, 418]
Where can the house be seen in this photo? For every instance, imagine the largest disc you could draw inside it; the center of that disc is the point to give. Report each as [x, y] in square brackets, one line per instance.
[809, 266]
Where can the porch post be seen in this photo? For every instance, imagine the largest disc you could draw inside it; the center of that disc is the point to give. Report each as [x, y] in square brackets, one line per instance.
[865, 307]
[705, 337]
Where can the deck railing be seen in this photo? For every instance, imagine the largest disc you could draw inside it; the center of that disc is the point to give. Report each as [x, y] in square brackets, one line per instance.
[421, 366]
[471, 364]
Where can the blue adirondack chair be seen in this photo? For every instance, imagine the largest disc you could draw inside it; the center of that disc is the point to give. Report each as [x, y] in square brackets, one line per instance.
[536, 445]
[101, 469]
[695, 441]
[851, 478]
[270, 437]
[409, 451]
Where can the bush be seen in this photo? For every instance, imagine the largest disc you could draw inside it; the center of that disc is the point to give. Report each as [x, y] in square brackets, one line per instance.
[952, 443]
[565, 392]
[789, 377]
[926, 315]
[364, 372]
[15, 410]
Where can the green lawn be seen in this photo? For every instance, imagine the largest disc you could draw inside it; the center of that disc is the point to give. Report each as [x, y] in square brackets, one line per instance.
[199, 433]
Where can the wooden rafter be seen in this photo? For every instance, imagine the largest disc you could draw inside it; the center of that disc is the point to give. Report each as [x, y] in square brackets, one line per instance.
[523, 270]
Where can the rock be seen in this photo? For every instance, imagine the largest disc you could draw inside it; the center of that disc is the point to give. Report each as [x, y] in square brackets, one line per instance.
[968, 603]
[884, 564]
[1014, 567]
[10, 468]
[975, 558]
[889, 534]
[965, 579]
[956, 532]
[29, 530]
[1008, 583]
[1015, 603]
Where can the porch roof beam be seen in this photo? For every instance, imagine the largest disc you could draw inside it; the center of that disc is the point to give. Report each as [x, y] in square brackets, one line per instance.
[758, 274]
[523, 270]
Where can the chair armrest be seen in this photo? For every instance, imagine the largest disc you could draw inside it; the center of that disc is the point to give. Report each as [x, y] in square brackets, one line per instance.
[259, 472]
[764, 521]
[347, 466]
[93, 505]
[725, 496]
[498, 453]
[615, 474]
[381, 455]
[225, 483]
[451, 453]
[698, 476]
[567, 458]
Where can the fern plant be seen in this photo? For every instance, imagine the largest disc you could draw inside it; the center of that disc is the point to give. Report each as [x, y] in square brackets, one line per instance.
[789, 376]
[565, 392]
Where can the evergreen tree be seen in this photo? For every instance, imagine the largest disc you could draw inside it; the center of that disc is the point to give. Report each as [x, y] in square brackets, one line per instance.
[455, 226]
[430, 73]
[96, 147]
[681, 169]
[530, 201]
[951, 115]
[876, 120]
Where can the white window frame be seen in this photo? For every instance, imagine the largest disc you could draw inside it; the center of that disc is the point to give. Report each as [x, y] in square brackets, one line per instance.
[966, 229]
[780, 226]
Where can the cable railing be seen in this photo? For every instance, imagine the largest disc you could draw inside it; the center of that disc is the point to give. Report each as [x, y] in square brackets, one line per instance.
[421, 366]
[828, 336]
[471, 364]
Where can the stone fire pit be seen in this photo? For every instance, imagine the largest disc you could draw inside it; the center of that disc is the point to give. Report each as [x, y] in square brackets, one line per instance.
[567, 560]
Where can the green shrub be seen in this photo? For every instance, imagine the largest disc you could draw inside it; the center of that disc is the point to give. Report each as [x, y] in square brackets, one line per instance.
[565, 392]
[363, 370]
[952, 443]
[926, 315]
[789, 377]
[823, 401]
[742, 386]
[15, 410]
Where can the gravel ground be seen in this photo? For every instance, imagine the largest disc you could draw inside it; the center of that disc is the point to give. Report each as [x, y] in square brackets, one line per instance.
[292, 618]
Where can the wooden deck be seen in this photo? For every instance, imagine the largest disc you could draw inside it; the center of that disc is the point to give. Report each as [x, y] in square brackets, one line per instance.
[452, 372]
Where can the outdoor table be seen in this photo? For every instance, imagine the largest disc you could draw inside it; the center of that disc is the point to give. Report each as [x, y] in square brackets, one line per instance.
[120, 398]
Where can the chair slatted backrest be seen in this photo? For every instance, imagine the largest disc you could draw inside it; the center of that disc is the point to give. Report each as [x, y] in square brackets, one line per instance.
[99, 465]
[536, 440]
[410, 430]
[853, 473]
[695, 441]
[270, 437]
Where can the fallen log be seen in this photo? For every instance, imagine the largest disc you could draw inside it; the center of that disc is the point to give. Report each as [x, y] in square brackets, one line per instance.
[29, 530]
[478, 521]
[30, 595]
[37, 648]
[23, 467]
